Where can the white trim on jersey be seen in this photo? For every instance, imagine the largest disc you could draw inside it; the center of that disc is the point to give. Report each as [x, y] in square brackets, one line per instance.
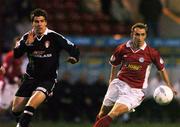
[148, 70]
[69, 42]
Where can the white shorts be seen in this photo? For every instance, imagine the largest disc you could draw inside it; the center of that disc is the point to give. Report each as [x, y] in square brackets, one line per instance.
[120, 92]
[7, 95]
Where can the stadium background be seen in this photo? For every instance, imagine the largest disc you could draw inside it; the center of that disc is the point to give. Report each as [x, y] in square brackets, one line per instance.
[94, 26]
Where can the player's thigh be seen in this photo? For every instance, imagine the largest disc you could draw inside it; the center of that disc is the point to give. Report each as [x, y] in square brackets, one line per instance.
[36, 99]
[19, 103]
[112, 93]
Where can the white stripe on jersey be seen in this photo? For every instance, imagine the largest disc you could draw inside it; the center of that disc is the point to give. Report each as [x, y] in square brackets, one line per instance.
[69, 42]
[148, 70]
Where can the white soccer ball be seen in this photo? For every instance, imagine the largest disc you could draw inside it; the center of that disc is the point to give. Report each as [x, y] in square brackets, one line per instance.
[163, 95]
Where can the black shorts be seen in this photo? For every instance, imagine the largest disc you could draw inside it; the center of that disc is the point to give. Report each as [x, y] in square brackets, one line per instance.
[30, 84]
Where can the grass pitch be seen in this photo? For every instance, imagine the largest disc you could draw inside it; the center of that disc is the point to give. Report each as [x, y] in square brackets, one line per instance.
[63, 124]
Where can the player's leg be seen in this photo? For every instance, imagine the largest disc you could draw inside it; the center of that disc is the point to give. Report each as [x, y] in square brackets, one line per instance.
[103, 111]
[109, 99]
[108, 102]
[41, 92]
[22, 96]
[116, 111]
[18, 105]
[35, 100]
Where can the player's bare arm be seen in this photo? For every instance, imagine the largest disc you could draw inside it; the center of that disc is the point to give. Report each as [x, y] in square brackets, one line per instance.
[165, 77]
[113, 73]
[72, 60]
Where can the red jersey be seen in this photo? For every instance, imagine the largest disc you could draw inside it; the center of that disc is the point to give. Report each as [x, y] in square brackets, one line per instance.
[12, 67]
[135, 65]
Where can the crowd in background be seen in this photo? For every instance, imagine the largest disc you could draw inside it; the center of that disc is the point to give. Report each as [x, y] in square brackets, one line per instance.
[97, 17]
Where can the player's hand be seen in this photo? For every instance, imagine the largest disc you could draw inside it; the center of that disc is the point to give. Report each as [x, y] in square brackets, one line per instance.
[174, 90]
[2, 70]
[31, 37]
[72, 60]
[51, 94]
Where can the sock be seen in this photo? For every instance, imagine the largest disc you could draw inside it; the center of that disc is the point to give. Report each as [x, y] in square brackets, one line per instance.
[103, 122]
[26, 116]
[16, 115]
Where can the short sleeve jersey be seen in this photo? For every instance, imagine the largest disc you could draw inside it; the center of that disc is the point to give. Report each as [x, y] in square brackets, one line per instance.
[135, 65]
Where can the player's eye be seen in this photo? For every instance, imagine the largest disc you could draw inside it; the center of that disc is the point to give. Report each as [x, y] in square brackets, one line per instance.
[137, 34]
[143, 34]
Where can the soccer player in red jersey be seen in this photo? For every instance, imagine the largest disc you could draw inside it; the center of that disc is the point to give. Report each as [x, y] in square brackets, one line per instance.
[11, 77]
[127, 90]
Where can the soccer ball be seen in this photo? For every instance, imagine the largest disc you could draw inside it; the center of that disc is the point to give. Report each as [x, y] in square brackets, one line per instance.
[163, 95]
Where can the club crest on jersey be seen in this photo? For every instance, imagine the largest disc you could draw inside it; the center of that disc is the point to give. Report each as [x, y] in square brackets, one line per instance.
[47, 44]
[141, 59]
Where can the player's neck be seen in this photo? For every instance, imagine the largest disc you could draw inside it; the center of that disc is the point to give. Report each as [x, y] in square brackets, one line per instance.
[135, 46]
[40, 35]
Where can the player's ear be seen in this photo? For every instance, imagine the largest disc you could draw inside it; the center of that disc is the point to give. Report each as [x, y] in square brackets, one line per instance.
[46, 23]
[147, 33]
[131, 34]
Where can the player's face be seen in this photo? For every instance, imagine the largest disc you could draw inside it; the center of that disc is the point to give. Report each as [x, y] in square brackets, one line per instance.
[139, 36]
[39, 24]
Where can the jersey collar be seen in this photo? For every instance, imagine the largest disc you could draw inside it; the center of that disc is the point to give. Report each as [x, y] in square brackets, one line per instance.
[45, 33]
[142, 47]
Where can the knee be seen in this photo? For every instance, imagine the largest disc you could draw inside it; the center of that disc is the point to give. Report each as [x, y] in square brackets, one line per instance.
[101, 114]
[104, 111]
[18, 104]
[114, 114]
[17, 108]
[14, 109]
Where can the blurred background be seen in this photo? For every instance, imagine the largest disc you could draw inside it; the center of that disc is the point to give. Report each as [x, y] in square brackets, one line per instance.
[97, 27]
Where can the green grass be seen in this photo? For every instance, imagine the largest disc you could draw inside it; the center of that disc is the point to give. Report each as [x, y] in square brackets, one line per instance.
[62, 124]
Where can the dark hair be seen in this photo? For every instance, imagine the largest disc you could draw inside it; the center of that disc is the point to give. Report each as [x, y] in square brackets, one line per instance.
[38, 12]
[139, 25]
